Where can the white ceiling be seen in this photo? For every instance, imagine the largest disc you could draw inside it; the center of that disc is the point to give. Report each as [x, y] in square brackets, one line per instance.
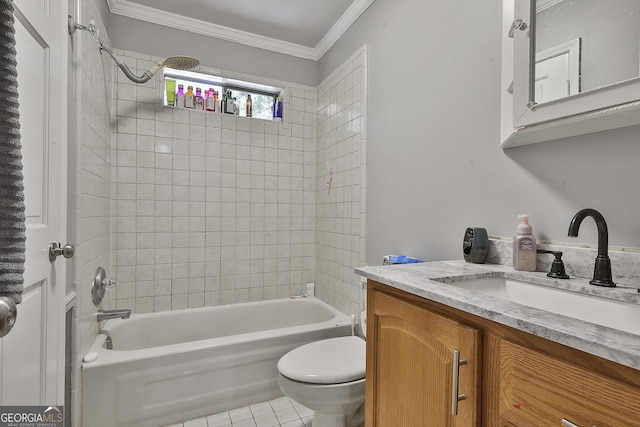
[303, 28]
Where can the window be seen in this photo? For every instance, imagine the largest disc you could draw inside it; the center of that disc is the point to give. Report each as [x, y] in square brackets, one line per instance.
[263, 97]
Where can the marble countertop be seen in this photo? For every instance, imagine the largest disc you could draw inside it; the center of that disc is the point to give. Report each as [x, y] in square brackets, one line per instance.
[426, 280]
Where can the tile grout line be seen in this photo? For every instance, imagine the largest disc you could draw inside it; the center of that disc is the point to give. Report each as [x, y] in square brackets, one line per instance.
[280, 412]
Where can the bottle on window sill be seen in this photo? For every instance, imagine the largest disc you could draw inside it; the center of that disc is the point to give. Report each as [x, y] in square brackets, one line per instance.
[249, 106]
[179, 101]
[189, 98]
[199, 100]
[210, 100]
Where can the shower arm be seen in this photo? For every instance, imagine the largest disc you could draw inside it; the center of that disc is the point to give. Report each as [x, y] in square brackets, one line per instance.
[178, 62]
[95, 35]
[146, 76]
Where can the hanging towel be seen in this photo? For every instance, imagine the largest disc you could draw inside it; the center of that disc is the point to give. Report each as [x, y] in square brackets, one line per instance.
[12, 216]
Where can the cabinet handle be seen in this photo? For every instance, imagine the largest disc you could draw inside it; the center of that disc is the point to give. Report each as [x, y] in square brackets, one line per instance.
[567, 423]
[455, 397]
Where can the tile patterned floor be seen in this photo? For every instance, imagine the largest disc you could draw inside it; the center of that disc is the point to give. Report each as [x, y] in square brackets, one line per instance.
[281, 412]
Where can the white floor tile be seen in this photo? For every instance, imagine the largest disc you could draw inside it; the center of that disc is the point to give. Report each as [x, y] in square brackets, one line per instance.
[303, 411]
[267, 420]
[261, 409]
[281, 412]
[286, 415]
[240, 414]
[281, 403]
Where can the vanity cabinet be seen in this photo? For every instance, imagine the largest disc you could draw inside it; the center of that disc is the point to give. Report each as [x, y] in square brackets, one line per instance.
[410, 366]
[538, 389]
[512, 378]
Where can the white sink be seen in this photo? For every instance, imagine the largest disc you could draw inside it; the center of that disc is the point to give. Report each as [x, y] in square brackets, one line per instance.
[614, 314]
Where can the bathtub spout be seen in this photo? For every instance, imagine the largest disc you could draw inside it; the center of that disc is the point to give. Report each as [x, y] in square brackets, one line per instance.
[113, 314]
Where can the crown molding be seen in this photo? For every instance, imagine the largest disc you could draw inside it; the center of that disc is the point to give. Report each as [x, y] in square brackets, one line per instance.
[354, 11]
[144, 13]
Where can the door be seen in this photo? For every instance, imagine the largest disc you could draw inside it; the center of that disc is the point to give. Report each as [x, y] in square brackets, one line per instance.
[552, 79]
[557, 72]
[410, 366]
[32, 354]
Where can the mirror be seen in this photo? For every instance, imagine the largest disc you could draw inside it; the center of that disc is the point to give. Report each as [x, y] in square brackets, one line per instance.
[583, 45]
[569, 67]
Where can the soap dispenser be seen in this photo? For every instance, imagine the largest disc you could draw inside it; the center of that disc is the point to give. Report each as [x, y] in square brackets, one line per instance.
[524, 246]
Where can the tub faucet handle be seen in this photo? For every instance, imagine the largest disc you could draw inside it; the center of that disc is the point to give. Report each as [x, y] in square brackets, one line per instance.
[108, 283]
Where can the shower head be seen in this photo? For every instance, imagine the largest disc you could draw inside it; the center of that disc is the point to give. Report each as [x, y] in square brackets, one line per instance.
[181, 62]
[177, 62]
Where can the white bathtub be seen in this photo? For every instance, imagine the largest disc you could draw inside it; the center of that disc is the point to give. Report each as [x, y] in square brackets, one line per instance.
[177, 365]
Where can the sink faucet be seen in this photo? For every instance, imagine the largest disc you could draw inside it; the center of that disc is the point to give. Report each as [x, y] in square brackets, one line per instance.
[602, 269]
[113, 314]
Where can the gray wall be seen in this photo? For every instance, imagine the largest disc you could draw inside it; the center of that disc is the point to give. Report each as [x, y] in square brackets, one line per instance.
[158, 40]
[434, 166]
[433, 162]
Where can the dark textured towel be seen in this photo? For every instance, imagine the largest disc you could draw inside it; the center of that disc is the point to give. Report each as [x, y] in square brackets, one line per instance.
[12, 218]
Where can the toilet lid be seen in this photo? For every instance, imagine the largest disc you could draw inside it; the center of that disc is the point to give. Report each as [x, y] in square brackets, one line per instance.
[330, 361]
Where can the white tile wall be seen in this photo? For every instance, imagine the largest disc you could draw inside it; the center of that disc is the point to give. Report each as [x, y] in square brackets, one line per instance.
[90, 199]
[210, 209]
[340, 208]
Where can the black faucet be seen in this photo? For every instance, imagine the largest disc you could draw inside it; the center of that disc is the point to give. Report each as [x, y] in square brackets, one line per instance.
[602, 270]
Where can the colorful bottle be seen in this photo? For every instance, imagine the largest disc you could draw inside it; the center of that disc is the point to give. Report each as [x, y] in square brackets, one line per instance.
[199, 100]
[524, 246]
[170, 87]
[189, 98]
[210, 100]
[179, 101]
[249, 106]
[277, 110]
[228, 103]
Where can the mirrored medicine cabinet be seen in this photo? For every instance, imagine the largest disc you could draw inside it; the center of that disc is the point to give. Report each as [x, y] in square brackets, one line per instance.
[569, 67]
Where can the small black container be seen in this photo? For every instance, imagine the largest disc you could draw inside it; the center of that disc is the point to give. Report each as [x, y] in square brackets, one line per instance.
[475, 245]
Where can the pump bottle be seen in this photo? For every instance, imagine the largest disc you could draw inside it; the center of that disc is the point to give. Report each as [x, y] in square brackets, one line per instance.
[524, 246]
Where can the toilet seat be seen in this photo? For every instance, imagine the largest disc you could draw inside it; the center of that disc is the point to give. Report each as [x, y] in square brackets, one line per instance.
[330, 361]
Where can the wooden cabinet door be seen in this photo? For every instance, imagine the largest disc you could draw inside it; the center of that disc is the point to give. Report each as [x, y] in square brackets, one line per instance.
[410, 353]
[536, 389]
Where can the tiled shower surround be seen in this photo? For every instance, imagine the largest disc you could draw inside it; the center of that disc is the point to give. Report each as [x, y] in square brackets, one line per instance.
[215, 209]
[340, 206]
[90, 157]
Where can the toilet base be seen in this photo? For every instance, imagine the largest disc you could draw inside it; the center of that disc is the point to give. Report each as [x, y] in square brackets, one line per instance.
[332, 420]
[337, 420]
[333, 405]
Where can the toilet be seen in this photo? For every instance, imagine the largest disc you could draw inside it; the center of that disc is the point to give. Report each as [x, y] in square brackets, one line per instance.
[327, 376]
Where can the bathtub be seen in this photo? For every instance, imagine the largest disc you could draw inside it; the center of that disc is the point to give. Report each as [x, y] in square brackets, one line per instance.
[177, 365]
